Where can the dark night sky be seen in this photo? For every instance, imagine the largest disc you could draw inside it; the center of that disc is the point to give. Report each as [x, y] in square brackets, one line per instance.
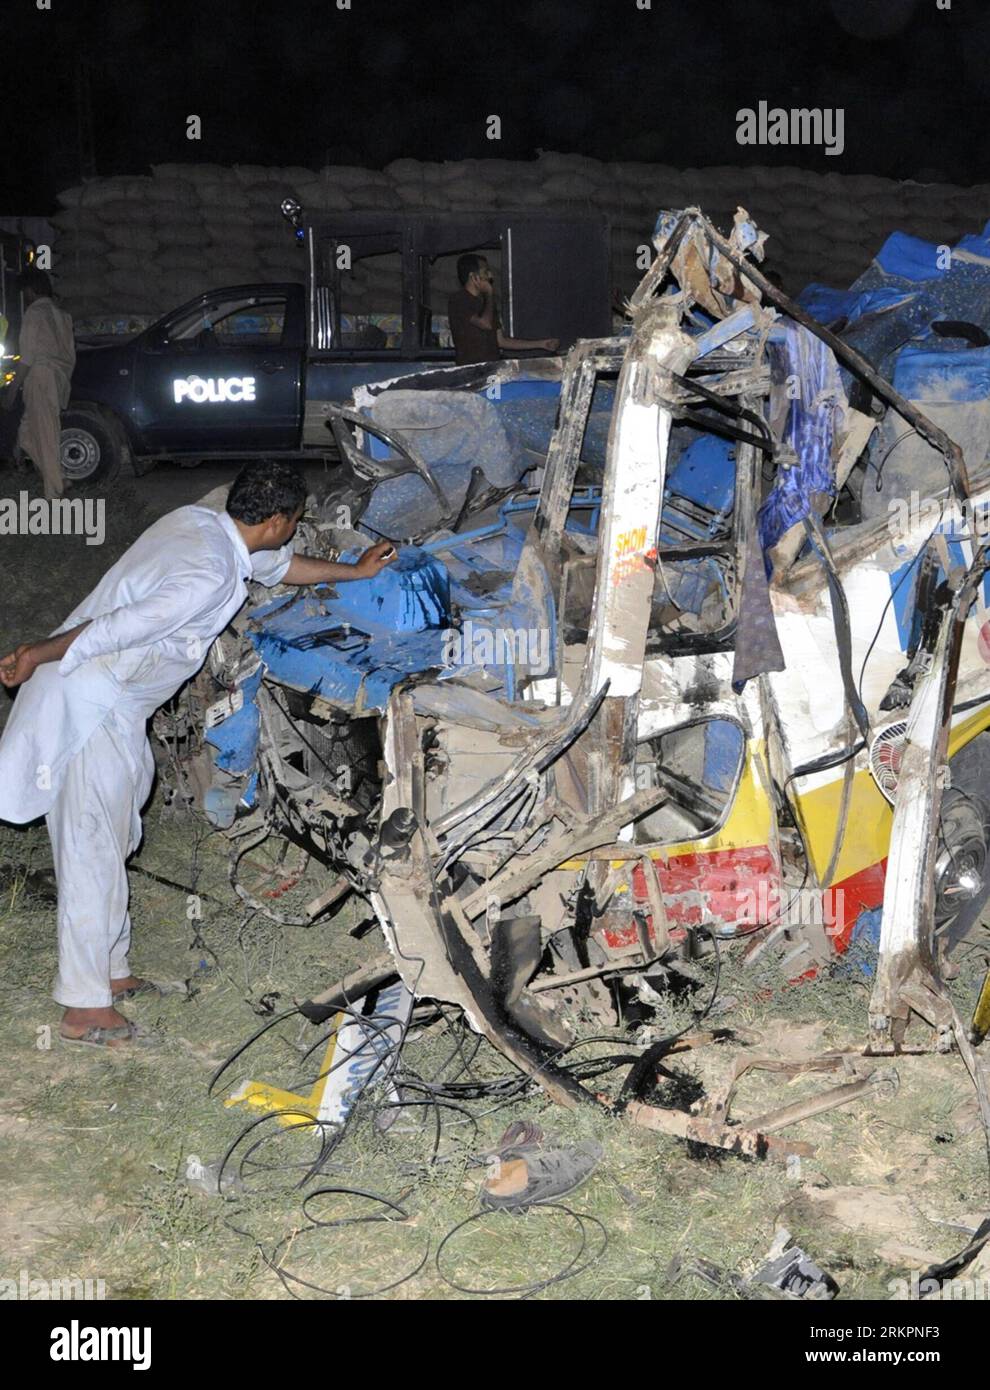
[304, 83]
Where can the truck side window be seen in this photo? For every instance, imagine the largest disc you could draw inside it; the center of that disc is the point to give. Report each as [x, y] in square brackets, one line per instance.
[371, 303]
[230, 323]
[251, 325]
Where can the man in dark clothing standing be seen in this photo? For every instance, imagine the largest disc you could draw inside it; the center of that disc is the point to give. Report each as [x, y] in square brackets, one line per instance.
[473, 317]
[48, 355]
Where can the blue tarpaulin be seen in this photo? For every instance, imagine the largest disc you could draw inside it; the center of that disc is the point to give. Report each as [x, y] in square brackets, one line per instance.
[910, 285]
[951, 283]
[910, 258]
[828, 305]
[952, 374]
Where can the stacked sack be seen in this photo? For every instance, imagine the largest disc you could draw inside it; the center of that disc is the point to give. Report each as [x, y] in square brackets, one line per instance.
[139, 246]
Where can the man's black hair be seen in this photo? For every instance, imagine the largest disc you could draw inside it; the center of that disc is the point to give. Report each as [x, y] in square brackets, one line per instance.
[266, 488]
[31, 278]
[468, 264]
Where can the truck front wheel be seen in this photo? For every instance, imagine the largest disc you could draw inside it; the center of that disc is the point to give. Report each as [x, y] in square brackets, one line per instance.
[92, 447]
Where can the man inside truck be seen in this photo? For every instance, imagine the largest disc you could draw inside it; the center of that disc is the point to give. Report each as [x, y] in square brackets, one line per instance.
[473, 316]
[75, 749]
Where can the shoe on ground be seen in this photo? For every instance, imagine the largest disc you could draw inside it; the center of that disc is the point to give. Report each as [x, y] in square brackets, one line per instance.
[540, 1175]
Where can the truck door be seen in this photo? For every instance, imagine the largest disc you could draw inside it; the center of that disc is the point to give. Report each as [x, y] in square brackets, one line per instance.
[224, 374]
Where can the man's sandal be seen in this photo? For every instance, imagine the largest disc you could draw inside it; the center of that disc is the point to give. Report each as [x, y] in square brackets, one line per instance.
[146, 987]
[107, 1038]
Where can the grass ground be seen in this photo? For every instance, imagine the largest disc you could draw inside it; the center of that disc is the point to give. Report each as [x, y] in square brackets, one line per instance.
[95, 1148]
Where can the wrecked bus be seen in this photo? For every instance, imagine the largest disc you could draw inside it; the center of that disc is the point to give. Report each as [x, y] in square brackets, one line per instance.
[644, 678]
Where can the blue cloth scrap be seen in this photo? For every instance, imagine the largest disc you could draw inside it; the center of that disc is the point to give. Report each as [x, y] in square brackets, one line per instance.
[864, 945]
[809, 432]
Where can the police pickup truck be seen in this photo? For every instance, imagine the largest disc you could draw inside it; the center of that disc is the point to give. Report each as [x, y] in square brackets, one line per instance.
[252, 370]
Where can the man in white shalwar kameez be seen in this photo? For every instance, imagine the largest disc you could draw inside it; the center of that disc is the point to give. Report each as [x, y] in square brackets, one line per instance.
[75, 749]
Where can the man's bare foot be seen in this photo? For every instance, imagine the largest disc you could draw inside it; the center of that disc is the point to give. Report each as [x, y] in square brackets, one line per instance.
[76, 1022]
[128, 982]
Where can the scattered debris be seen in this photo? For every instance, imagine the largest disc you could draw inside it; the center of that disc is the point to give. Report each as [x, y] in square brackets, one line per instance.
[791, 1271]
[211, 1179]
[711, 1123]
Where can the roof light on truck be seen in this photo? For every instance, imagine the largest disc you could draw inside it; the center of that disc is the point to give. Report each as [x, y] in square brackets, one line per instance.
[292, 212]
